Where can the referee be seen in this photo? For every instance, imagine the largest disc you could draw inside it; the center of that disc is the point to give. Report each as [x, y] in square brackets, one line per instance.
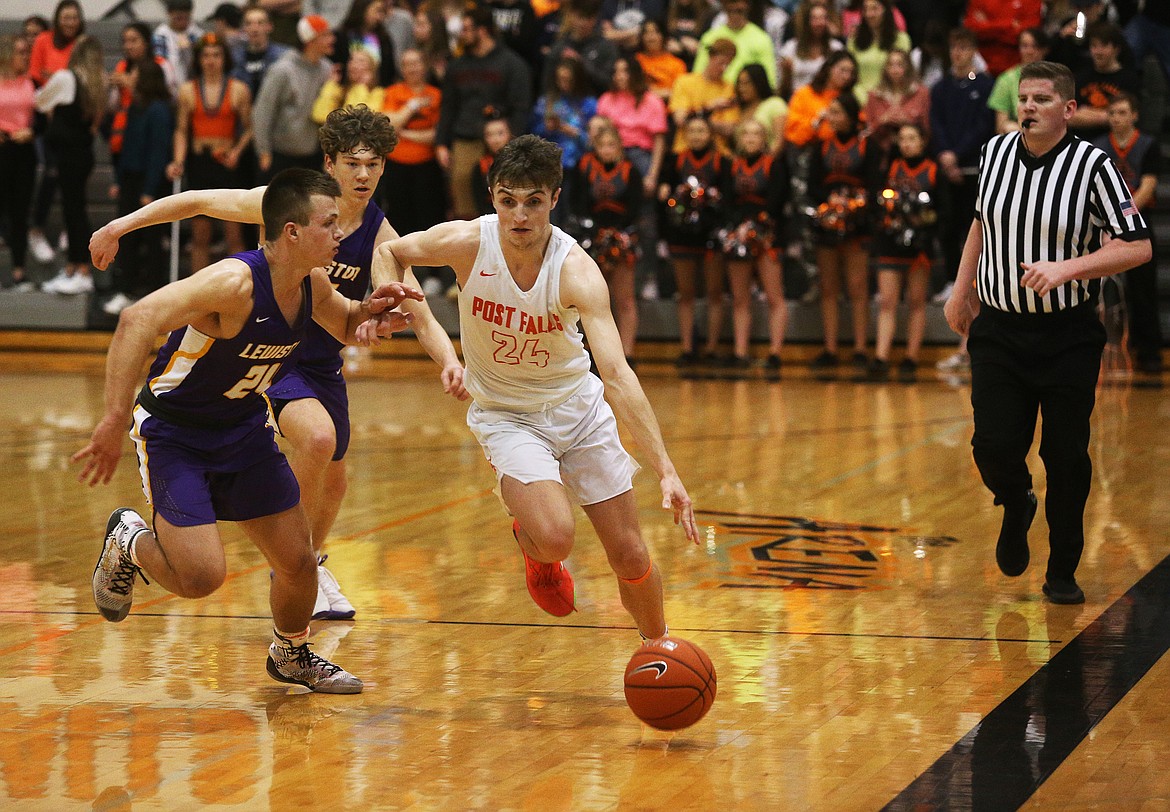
[1052, 216]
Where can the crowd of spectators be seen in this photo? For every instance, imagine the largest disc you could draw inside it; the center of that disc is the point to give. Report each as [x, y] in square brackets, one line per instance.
[707, 145]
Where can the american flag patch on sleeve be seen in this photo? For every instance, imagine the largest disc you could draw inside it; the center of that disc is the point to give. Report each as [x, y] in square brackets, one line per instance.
[1128, 209]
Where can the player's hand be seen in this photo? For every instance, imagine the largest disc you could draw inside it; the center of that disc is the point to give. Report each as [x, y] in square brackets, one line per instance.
[103, 247]
[1043, 276]
[674, 497]
[452, 378]
[961, 309]
[381, 325]
[101, 455]
[390, 295]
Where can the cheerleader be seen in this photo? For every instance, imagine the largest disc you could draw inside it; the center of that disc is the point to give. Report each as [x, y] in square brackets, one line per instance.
[843, 172]
[607, 199]
[757, 185]
[903, 246]
[690, 193]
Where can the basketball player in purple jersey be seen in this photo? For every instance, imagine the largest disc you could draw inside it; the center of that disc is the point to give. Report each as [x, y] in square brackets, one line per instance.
[310, 402]
[528, 294]
[200, 424]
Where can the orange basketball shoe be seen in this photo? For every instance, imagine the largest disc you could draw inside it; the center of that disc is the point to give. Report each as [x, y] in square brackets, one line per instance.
[550, 585]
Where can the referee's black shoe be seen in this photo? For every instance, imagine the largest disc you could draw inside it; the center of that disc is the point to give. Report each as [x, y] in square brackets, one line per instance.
[1011, 551]
[1060, 590]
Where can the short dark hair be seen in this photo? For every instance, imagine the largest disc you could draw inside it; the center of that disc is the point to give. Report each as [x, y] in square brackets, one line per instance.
[1039, 36]
[349, 128]
[229, 14]
[528, 159]
[1106, 32]
[962, 35]
[482, 17]
[288, 198]
[1060, 76]
[1128, 98]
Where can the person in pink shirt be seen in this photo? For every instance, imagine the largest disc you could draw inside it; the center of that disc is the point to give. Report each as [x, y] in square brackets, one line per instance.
[640, 117]
[17, 155]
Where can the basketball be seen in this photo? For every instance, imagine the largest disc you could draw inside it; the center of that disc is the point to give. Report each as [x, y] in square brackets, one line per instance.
[670, 683]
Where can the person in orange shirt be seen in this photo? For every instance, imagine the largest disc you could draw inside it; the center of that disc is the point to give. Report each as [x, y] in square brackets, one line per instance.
[804, 129]
[807, 110]
[661, 67]
[51, 49]
[414, 194]
[212, 128]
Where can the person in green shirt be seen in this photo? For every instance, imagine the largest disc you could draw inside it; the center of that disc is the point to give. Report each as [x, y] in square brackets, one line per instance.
[871, 43]
[1034, 44]
[752, 43]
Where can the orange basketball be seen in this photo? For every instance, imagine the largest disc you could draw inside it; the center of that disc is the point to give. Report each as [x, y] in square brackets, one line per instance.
[670, 683]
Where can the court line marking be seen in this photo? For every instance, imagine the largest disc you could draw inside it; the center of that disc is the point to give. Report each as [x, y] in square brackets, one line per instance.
[48, 635]
[71, 436]
[404, 621]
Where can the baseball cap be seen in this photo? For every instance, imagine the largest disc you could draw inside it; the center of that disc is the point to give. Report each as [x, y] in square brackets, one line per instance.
[179, 5]
[310, 27]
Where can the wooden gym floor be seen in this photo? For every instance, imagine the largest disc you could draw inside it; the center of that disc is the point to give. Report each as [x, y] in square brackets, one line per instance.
[869, 653]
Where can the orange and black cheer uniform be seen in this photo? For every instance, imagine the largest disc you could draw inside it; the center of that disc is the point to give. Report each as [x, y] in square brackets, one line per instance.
[204, 170]
[694, 208]
[907, 215]
[607, 199]
[608, 194]
[479, 187]
[755, 194]
[845, 172]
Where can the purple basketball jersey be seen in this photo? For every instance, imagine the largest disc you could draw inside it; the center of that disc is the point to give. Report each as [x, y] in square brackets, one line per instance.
[200, 380]
[350, 274]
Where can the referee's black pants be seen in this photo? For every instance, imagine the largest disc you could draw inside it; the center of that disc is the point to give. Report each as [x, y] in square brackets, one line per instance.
[1024, 365]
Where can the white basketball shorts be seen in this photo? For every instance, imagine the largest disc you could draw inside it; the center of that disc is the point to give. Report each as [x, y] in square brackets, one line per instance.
[575, 443]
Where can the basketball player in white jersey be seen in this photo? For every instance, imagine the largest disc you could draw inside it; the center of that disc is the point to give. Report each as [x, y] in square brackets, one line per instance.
[526, 291]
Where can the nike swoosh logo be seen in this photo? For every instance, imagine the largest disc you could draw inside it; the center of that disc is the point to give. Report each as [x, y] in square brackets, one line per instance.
[266, 318]
[485, 273]
[657, 665]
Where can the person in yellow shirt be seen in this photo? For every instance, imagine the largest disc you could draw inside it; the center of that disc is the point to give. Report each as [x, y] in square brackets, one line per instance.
[707, 94]
[361, 87]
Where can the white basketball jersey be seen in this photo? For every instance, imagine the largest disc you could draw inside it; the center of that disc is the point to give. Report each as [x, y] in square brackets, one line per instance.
[523, 349]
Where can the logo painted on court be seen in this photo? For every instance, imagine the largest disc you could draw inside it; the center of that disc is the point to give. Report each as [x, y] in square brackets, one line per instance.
[794, 552]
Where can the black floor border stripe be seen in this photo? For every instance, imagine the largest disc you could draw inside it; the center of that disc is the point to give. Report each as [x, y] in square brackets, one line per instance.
[1005, 758]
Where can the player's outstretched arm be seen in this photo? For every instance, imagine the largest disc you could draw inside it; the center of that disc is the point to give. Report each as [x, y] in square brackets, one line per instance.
[455, 244]
[583, 286]
[234, 205]
[427, 330]
[358, 322]
[214, 301]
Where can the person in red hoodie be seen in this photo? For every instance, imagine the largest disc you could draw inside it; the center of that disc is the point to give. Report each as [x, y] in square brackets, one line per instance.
[997, 25]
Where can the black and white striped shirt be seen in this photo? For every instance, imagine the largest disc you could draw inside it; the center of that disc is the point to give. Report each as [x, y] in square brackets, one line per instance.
[1053, 207]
